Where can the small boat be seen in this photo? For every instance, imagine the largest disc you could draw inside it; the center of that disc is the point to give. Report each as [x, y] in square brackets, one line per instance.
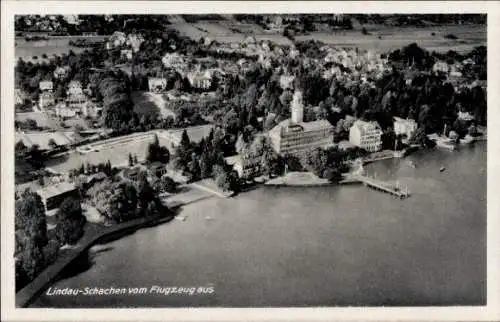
[181, 218]
[412, 164]
[442, 169]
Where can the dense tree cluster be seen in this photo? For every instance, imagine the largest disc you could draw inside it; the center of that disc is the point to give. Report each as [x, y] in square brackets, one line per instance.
[157, 153]
[164, 184]
[326, 163]
[88, 168]
[102, 24]
[121, 200]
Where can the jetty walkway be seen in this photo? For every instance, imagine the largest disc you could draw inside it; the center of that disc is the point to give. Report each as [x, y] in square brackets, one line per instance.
[384, 186]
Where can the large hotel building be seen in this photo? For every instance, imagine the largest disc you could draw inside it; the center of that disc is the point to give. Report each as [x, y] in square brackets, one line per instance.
[294, 136]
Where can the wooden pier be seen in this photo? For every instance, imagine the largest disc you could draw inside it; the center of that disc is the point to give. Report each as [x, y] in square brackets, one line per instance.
[384, 186]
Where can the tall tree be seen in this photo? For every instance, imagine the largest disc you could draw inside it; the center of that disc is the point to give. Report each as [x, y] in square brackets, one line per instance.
[70, 221]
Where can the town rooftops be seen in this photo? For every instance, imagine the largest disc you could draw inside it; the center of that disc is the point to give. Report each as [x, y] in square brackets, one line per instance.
[56, 189]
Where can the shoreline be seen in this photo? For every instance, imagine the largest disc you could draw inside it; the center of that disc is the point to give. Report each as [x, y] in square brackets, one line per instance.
[27, 294]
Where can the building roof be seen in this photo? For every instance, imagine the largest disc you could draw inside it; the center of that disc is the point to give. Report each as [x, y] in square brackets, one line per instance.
[232, 160]
[366, 126]
[399, 119]
[75, 83]
[56, 189]
[302, 127]
[46, 85]
[97, 177]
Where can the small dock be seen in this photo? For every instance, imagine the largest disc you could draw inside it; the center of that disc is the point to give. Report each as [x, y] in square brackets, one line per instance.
[384, 186]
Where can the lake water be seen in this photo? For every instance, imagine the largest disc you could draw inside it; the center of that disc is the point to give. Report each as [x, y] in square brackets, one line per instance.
[324, 246]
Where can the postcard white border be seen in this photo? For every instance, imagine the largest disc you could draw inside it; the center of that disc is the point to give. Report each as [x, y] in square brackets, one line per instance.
[9, 313]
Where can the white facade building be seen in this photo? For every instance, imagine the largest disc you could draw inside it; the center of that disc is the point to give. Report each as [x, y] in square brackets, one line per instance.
[366, 135]
[404, 126]
[293, 136]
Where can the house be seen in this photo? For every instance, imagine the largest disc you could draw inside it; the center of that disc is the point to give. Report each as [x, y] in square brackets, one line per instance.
[465, 116]
[404, 126]
[132, 173]
[92, 110]
[95, 178]
[61, 72]
[200, 80]
[366, 135]
[53, 195]
[157, 84]
[441, 67]
[294, 136]
[64, 112]
[76, 98]
[46, 86]
[173, 60]
[46, 99]
[286, 81]
[247, 167]
[157, 169]
[74, 88]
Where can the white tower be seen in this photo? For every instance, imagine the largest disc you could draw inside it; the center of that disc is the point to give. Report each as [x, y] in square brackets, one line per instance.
[297, 108]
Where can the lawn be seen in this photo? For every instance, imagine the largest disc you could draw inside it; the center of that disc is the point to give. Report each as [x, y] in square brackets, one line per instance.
[42, 119]
[146, 103]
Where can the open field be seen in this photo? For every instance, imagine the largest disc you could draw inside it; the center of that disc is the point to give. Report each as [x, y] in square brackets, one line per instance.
[391, 38]
[42, 119]
[53, 46]
[188, 30]
[227, 32]
[146, 102]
